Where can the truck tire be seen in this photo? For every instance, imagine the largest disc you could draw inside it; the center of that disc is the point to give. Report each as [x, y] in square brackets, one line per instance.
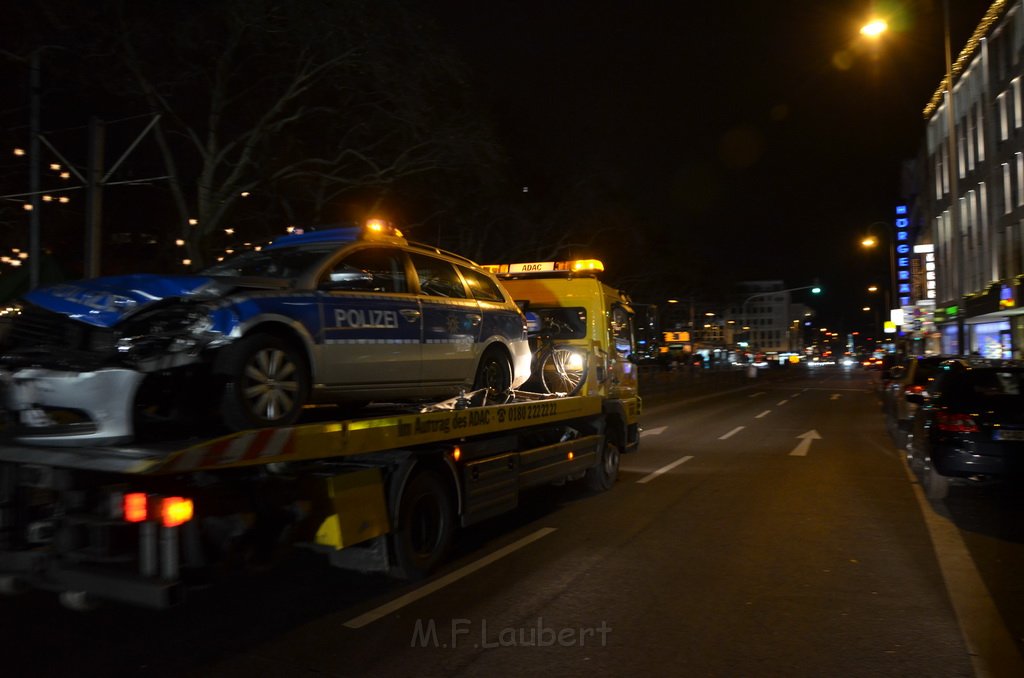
[426, 527]
[267, 383]
[603, 476]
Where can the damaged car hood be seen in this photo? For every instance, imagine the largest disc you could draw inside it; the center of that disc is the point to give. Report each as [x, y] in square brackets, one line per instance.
[105, 302]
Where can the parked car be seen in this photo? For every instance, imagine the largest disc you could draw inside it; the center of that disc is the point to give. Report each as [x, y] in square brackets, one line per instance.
[969, 424]
[911, 377]
[339, 314]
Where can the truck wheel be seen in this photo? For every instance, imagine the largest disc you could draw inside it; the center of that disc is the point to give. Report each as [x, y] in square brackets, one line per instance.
[426, 527]
[268, 383]
[601, 477]
[494, 372]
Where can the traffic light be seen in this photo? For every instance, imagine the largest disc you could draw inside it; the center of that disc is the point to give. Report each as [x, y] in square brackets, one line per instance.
[815, 290]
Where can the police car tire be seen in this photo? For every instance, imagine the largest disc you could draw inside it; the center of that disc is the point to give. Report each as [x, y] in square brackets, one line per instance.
[603, 476]
[235, 407]
[426, 527]
[495, 371]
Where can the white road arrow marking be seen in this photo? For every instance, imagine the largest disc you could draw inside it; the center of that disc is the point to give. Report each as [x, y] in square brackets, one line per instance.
[653, 431]
[805, 443]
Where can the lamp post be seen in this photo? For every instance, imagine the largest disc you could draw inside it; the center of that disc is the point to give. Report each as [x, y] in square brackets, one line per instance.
[954, 195]
[892, 293]
[873, 30]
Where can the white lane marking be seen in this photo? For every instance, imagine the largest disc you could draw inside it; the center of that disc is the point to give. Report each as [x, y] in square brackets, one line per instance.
[438, 584]
[992, 649]
[653, 431]
[766, 412]
[835, 396]
[759, 393]
[805, 443]
[781, 403]
[795, 395]
[731, 433]
[664, 469]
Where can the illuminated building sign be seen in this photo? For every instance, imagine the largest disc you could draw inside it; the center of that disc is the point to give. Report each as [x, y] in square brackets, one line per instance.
[1006, 299]
[903, 251]
[929, 268]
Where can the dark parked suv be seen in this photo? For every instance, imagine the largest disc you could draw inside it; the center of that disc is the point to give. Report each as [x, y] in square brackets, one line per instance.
[970, 424]
[912, 377]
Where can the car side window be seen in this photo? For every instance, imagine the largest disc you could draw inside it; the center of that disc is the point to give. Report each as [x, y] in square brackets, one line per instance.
[438, 278]
[369, 270]
[481, 286]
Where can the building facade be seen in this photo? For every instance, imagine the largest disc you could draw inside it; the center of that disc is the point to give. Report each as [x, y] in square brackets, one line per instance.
[963, 290]
[765, 318]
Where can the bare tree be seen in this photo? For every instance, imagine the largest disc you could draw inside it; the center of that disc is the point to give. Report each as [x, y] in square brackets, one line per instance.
[278, 111]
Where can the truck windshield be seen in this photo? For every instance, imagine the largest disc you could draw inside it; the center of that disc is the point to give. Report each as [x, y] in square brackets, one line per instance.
[559, 322]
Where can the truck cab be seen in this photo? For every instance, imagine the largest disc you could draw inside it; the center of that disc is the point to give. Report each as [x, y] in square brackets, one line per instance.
[591, 322]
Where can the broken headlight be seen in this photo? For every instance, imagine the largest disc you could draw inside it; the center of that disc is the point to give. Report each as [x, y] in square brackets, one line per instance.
[186, 328]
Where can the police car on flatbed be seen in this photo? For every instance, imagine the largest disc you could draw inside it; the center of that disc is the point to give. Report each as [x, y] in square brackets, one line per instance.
[342, 314]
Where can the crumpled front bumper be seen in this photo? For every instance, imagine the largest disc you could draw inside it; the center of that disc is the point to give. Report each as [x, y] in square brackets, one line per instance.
[100, 404]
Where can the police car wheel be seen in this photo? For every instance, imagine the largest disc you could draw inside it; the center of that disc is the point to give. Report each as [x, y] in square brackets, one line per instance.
[268, 383]
[426, 527]
[494, 372]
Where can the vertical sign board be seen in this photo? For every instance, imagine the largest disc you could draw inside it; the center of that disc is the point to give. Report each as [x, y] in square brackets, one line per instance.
[902, 245]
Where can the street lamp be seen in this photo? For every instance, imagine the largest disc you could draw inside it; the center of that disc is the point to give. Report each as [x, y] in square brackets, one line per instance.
[870, 242]
[872, 30]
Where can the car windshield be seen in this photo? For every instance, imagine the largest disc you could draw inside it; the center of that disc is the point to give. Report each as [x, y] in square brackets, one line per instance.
[282, 263]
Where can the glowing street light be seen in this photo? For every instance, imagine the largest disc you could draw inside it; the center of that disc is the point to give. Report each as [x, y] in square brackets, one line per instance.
[874, 28]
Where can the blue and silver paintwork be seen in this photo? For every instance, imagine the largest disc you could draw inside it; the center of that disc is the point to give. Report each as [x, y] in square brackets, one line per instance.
[361, 345]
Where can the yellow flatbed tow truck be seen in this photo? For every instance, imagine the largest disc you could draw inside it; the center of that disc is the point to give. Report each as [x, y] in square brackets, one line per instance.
[384, 492]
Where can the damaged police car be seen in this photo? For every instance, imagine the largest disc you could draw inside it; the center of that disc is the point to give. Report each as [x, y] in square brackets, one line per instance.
[345, 314]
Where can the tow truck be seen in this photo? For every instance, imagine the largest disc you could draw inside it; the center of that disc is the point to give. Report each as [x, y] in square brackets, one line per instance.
[144, 524]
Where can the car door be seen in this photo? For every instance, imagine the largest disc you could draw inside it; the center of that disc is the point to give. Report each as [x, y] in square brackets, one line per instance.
[372, 323]
[451, 321]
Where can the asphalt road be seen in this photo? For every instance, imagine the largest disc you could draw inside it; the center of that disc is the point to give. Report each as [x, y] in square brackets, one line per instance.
[769, 529]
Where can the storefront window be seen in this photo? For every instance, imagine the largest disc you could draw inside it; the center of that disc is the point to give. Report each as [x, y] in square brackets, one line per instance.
[950, 342]
[991, 340]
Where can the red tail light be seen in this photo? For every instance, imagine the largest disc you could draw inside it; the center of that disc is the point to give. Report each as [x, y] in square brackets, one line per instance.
[139, 507]
[136, 505]
[955, 423]
[916, 389]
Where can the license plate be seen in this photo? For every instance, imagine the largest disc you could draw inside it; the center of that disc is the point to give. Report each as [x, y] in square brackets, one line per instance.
[1009, 435]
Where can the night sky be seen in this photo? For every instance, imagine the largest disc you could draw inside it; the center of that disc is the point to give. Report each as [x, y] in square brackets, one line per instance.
[732, 140]
[762, 137]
